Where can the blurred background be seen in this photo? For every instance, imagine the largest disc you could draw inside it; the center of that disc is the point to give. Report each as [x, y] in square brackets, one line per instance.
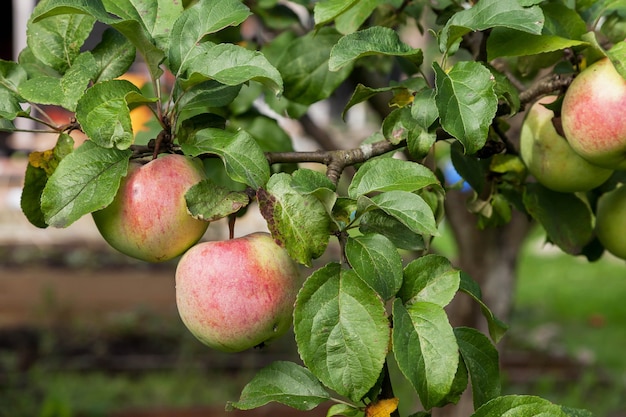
[86, 331]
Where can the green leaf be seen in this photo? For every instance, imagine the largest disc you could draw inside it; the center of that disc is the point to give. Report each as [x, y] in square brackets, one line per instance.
[113, 55]
[342, 410]
[104, 112]
[283, 382]
[155, 16]
[231, 65]
[508, 42]
[576, 412]
[307, 181]
[299, 221]
[144, 44]
[472, 169]
[66, 91]
[427, 352]
[206, 95]
[496, 327]
[56, 40]
[362, 93]
[35, 180]
[12, 75]
[430, 278]
[342, 330]
[41, 165]
[372, 41]
[376, 261]
[481, 359]
[467, 102]
[51, 8]
[424, 108]
[408, 208]
[490, 14]
[617, 55]
[328, 10]
[377, 221]
[566, 218]
[519, 406]
[208, 201]
[562, 29]
[86, 180]
[243, 158]
[352, 19]
[203, 18]
[303, 65]
[33, 66]
[387, 174]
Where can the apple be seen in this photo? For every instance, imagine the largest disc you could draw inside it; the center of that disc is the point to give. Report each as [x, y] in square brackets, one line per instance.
[148, 218]
[236, 294]
[594, 115]
[611, 221]
[549, 157]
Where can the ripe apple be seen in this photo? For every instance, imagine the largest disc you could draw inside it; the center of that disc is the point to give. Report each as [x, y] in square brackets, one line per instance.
[611, 221]
[148, 218]
[594, 115]
[236, 294]
[549, 157]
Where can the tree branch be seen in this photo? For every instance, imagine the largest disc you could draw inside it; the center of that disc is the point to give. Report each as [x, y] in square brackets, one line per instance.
[335, 160]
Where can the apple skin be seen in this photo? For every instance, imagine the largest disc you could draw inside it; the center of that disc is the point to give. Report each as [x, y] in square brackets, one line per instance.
[550, 159]
[594, 115]
[148, 218]
[236, 294]
[611, 221]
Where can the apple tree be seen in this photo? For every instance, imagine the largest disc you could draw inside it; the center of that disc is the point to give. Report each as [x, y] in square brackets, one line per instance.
[446, 78]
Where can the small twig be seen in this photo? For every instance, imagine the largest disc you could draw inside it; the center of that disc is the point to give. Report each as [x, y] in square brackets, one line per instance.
[550, 84]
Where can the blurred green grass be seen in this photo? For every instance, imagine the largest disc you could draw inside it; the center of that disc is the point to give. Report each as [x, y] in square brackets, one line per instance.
[586, 300]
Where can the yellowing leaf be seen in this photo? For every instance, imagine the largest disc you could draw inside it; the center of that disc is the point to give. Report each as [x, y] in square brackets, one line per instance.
[402, 99]
[382, 408]
[44, 160]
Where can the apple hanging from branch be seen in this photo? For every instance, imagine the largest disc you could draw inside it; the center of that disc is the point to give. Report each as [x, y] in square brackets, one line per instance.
[550, 159]
[594, 115]
[148, 218]
[236, 294]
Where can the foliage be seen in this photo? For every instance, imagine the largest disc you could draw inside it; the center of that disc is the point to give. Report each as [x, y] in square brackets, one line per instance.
[206, 80]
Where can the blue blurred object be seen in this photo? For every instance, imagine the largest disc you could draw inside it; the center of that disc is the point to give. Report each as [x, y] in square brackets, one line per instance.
[452, 177]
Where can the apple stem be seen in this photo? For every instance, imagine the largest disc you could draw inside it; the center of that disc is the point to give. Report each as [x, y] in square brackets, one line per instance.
[232, 218]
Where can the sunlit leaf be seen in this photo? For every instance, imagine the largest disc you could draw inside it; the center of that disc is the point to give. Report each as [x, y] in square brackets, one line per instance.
[243, 158]
[386, 174]
[377, 261]
[203, 18]
[467, 102]
[336, 315]
[372, 41]
[104, 112]
[430, 278]
[489, 14]
[85, 181]
[428, 353]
